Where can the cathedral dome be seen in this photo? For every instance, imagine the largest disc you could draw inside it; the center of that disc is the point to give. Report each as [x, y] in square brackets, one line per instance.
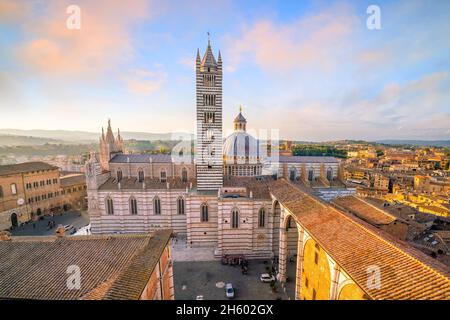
[240, 147]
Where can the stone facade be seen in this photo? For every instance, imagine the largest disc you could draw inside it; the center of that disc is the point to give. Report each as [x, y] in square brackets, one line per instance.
[225, 204]
[29, 190]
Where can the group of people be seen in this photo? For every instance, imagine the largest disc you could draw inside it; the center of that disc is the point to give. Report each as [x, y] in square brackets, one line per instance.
[51, 224]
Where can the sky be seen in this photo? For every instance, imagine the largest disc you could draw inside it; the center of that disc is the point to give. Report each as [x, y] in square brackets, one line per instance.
[311, 69]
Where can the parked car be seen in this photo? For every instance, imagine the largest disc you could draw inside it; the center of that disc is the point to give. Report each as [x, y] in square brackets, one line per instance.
[265, 277]
[68, 227]
[199, 297]
[229, 291]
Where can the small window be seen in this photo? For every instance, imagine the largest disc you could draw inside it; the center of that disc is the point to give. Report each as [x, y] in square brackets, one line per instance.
[262, 218]
[119, 175]
[157, 205]
[141, 175]
[163, 176]
[13, 188]
[235, 219]
[1, 192]
[180, 205]
[109, 206]
[204, 213]
[133, 206]
[184, 175]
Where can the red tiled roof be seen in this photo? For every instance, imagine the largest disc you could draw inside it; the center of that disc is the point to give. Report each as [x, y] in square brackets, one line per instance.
[354, 245]
[112, 266]
[364, 210]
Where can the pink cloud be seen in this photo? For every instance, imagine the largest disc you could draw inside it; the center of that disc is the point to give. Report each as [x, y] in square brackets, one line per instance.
[102, 42]
[312, 41]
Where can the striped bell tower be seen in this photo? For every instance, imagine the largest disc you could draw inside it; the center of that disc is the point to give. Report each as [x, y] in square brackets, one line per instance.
[209, 158]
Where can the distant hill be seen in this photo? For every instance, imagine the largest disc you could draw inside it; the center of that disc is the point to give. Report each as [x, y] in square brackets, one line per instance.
[420, 143]
[61, 136]
[11, 140]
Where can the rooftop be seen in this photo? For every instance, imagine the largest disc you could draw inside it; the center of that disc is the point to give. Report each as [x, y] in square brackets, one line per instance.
[112, 266]
[25, 168]
[364, 210]
[406, 273]
[307, 159]
[72, 179]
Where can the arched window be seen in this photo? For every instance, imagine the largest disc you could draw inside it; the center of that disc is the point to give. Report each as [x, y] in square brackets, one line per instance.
[119, 175]
[262, 218]
[133, 206]
[310, 174]
[13, 188]
[292, 174]
[204, 213]
[235, 219]
[1, 192]
[163, 175]
[330, 174]
[157, 205]
[180, 205]
[141, 175]
[109, 206]
[184, 175]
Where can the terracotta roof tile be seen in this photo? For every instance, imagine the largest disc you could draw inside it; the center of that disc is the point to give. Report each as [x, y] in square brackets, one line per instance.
[406, 273]
[364, 210]
[25, 167]
[36, 267]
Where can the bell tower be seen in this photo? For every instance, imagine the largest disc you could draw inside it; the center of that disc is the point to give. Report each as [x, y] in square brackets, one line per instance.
[209, 158]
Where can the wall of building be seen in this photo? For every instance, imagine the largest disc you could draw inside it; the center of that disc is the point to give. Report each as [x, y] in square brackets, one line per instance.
[153, 170]
[145, 220]
[160, 284]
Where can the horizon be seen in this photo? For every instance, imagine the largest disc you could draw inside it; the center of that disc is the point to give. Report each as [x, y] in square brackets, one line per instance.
[313, 68]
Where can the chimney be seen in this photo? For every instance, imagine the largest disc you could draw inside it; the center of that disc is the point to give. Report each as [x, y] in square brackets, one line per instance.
[5, 236]
[60, 231]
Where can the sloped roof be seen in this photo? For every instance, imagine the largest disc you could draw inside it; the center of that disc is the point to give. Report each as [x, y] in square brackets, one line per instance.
[112, 266]
[364, 210]
[240, 118]
[25, 167]
[72, 179]
[406, 273]
[208, 58]
[307, 159]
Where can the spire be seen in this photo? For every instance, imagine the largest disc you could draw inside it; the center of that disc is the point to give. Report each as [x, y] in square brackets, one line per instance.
[109, 133]
[208, 58]
[219, 58]
[198, 56]
[240, 122]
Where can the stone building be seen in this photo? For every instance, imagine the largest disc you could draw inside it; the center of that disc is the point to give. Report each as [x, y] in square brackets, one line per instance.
[220, 200]
[246, 202]
[29, 190]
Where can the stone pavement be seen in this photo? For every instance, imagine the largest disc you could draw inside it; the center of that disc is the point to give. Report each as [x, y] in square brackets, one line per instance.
[181, 252]
[75, 218]
[207, 278]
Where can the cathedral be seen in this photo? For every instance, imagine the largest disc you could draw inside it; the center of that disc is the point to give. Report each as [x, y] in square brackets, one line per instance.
[220, 198]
